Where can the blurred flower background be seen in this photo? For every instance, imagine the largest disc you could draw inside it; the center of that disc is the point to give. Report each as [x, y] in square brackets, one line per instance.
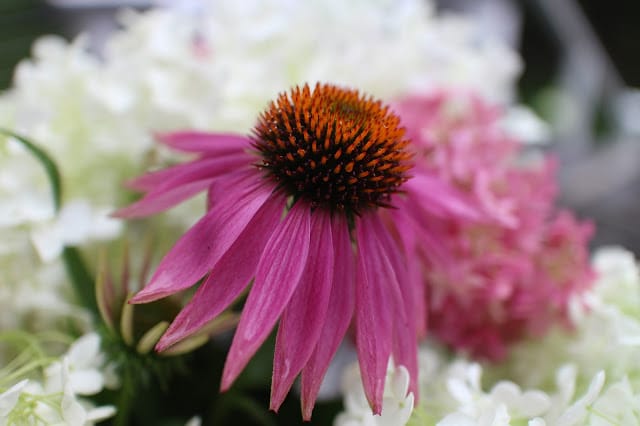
[578, 73]
[528, 108]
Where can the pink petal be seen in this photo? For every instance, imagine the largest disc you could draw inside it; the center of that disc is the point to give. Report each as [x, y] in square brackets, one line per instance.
[405, 228]
[228, 277]
[374, 313]
[207, 241]
[207, 167]
[158, 201]
[303, 319]
[278, 274]
[403, 296]
[171, 186]
[439, 199]
[337, 319]
[431, 238]
[213, 144]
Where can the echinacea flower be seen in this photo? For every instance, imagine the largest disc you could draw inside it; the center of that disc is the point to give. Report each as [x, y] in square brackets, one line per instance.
[297, 207]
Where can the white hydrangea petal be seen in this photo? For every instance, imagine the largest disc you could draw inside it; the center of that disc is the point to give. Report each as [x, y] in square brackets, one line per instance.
[54, 377]
[73, 412]
[534, 403]
[457, 419]
[399, 382]
[460, 390]
[48, 242]
[566, 381]
[577, 412]
[101, 413]
[84, 351]
[9, 398]
[501, 417]
[618, 405]
[506, 392]
[86, 382]
[397, 405]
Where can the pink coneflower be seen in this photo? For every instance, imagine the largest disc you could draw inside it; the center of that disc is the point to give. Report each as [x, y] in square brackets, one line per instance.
[490, 284]
[298, 207]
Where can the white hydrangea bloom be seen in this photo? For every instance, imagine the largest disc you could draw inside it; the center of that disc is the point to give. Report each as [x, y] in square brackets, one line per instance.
[397, 402]
[56, 400]
[85, 367]
[202, 67]
[77, 223]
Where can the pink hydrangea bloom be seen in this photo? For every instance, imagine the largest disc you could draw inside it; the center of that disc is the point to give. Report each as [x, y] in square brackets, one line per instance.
[299, 207]
[491, 283]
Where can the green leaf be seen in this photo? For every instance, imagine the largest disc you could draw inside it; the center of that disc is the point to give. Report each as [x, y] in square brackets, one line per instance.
[81, 279]
[49, 166]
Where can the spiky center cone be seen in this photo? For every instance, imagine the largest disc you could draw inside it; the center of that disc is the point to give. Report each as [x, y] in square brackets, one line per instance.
[334, 147]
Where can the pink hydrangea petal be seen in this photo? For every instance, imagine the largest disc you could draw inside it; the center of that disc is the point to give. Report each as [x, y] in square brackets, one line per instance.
[278, 274]
[338, 317]
[495, 281]
[303, 319]
[374, 313]
[197, 251]
[205, 143]
[228, 277]
[194, 170]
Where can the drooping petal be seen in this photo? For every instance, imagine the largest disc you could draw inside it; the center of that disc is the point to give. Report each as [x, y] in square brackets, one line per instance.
[206, 242]
[213, 144]
[228, 277]
[405, 228]
[195, 170]
[431, 239]
[374, 313]
[439, 199]
[278, 274]
[158, 201]
[303, 319]
[403, 296]
[171, 186]
[338, 317]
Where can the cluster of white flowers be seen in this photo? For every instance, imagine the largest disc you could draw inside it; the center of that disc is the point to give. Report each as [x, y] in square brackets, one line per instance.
[57, 398]
[589, 376]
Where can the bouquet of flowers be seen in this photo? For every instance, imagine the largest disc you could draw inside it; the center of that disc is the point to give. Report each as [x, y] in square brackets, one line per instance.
[270, 212]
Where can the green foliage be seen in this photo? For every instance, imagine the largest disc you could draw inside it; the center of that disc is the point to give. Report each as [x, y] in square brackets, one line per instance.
[48, 164]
